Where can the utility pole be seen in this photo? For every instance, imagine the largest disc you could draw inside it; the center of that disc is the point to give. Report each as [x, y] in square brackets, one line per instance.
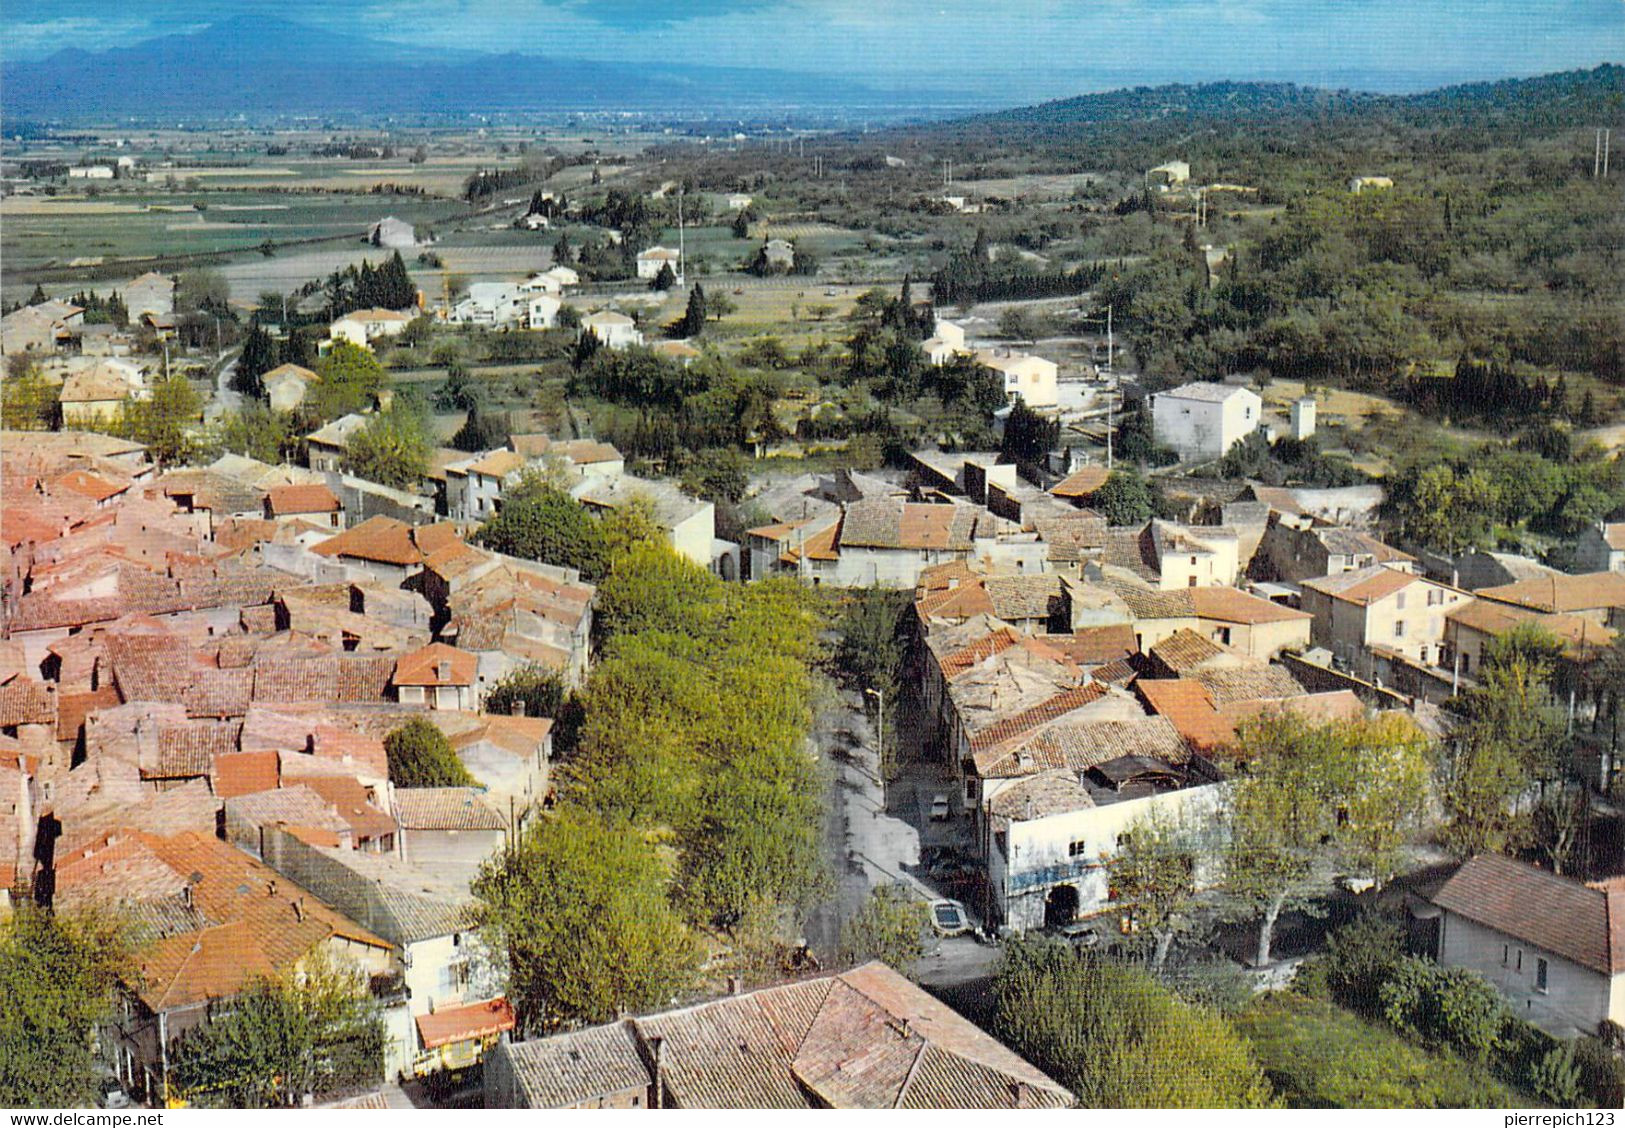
[1607, 135]
[681, 261]
[880, 731]
[1596, 155]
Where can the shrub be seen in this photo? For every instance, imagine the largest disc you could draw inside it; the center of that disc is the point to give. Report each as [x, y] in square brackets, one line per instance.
[421, 756]
[1444, 1006]
[1359, 959]
[1601, 1074]
[1556, 1077]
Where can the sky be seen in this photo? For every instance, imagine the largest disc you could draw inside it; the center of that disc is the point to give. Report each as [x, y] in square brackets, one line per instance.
[1008, 50]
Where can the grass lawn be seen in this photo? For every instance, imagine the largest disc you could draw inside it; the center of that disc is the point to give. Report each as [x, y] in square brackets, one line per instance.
[1318, 1055]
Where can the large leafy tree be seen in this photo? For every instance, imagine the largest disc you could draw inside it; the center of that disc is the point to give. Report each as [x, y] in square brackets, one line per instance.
[255, 431]
[1116, 1037]
[392, 449]
[351, 378]
[421, 756]
[282, 1040]
[581, 908]
[57, 975]
[27, 399]
[1125, 499]
[1153, 875]
[167, 420]
[539, 521]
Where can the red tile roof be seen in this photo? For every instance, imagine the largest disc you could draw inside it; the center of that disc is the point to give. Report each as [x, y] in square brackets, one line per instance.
[422, 667]
[1009, 728]
[1081, 483]
[316, 498]
[460, 1024]
[1560, 915]
[243, 773]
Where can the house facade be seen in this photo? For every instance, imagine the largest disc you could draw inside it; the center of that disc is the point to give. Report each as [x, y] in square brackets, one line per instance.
[1202, 421]
[1380, 607]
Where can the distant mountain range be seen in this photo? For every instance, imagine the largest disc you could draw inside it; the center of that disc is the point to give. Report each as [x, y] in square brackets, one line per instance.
[1579, 97]
[257, 65]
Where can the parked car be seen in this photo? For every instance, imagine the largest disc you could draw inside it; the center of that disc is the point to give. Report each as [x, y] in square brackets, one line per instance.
[939, 808]
[111, 1094]
[949, 919]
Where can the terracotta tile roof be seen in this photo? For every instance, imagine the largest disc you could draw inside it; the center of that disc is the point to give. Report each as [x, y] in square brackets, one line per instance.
[1232, 605]
[867, 1038]
[1073, 536]
[887, 523]
[1079, 747]
[1252, 682]
[1119, 672]
[1095, 646]
[24, 701]
[1081, 483]
[1188, 707]
[959, 661]
[423, 667]
[73, 708]
[297, 806]
[268, 923]
[1559, 915]
[460, 1024]
[1364, 586]
[189, 749]
[1185, 651]
[89, 485]
[1024, 597]
[1562, 593]
[1579, 634]
[445, 808]
[283, 500]
[1042, 795]
[498, 464]
[349, 799]
[1009, 728]
[219, 693]
[243, 773]
[388, 541]
[521, 736]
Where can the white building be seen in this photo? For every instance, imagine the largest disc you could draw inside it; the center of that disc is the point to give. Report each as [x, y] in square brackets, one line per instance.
[541, 311]
[1032, 378]
[492, 303]
[392, 232]
[651, 260]
[90, 172]
[1170, 175]
[1549, 944]
[1204, 420]
[363, 326]
[947, 342]
[690, 524]
[613, 330]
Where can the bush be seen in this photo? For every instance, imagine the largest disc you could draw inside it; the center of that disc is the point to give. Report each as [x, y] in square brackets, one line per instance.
[421, 756]
[1444, 1006]
[1360, 957]
[1320, 1056]
[1602, 1075]
[1556, 1077]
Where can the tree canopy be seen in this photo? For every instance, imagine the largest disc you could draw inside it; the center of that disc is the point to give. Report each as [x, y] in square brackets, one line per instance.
[421, 756]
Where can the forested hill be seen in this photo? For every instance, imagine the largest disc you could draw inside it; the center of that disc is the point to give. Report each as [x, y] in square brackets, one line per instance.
[1564, 100]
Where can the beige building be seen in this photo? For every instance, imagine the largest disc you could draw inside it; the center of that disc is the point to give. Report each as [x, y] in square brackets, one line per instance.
[613, 330]
[1032, 378]
[1379, 607]
[95, 395]
[1254, 627]
[286, 385]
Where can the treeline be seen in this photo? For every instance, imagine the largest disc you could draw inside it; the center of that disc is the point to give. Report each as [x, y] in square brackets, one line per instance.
[1496, 392]
[970, 277]
[692, 807]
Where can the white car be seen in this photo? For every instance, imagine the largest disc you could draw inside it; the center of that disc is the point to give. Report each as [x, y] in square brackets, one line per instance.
[939, 808]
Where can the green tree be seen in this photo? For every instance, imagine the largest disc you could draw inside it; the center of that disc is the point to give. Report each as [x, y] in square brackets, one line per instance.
[1125, 499]
[665, 280]
[283, 1040]
[351, 379]
[57, 976]
[258, 356]
[203, 289]
[541, 691]
[692, 323]
[392, 449]
[421, 756]
[581, 908]
[1153, 874]
[716, 475]
[538, 521]
[166, 420]
[256, 431]
[741, 224]
[1116, 1037]
[29, 401]
[890, 927]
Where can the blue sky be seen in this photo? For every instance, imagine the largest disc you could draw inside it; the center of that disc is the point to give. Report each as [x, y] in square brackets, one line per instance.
[1012, 50]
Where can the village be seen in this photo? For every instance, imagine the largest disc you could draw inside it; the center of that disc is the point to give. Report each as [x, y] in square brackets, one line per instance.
[654, 617]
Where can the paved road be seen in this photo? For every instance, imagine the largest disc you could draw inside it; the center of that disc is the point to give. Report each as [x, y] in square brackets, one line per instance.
[225, 398]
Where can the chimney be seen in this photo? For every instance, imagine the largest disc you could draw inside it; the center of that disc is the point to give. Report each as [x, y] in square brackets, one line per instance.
[299, 909]
[518, 708]
[733, 984]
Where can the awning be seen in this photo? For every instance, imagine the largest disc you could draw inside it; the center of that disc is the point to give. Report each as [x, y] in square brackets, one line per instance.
[461, 1024]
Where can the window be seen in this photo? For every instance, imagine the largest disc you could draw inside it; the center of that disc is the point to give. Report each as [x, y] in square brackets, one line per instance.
[1506, 954]
[1076, 847]
[1399, 602]
[1193, 581]
[1540, 976]
[1399, 628]
[1520, 960]
[1224, 636]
